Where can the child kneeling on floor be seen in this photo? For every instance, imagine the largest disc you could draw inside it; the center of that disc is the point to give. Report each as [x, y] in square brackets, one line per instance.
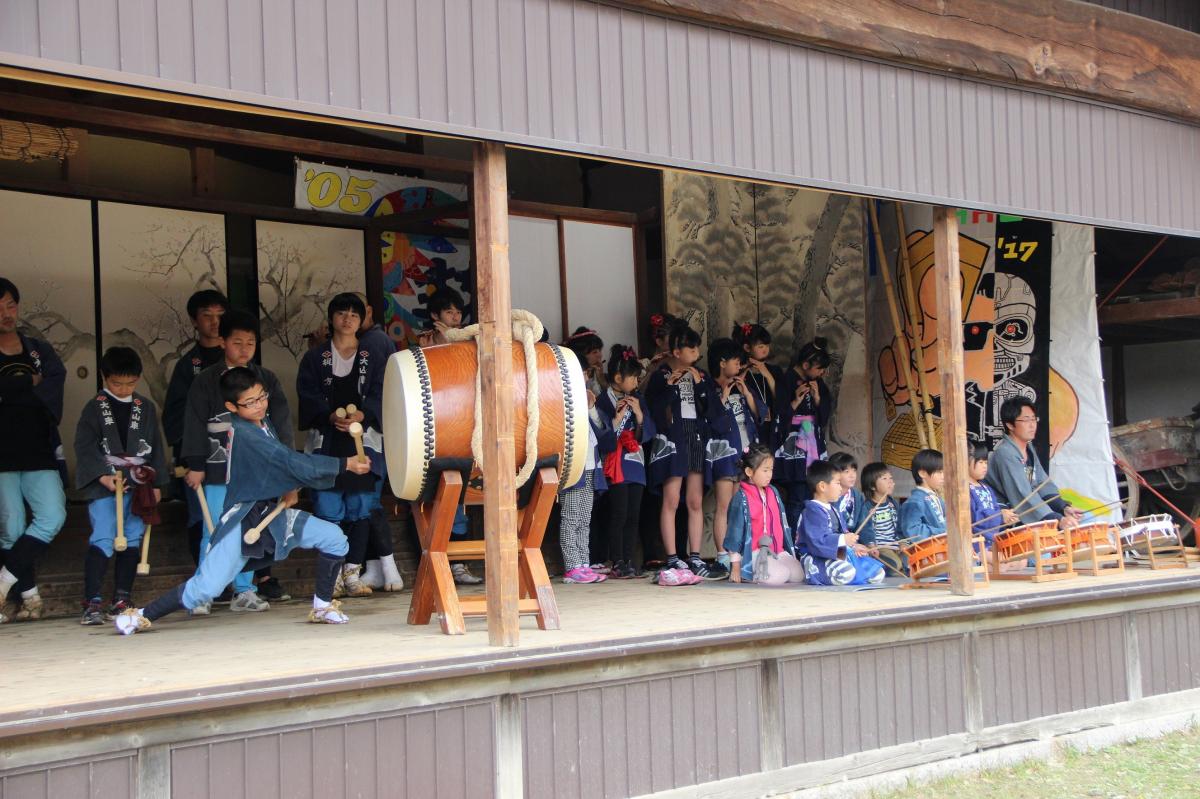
[756, 516]
[830, 554]
[262, 472]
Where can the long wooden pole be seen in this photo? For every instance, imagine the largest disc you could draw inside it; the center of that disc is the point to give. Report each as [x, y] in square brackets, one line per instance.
[954, 398]
[914, 317]
[905, 361]
[494, 304]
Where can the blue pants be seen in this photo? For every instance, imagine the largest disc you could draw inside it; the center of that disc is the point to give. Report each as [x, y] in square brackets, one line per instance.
[854, 570]
[344, 506]
[214, 495]
[103, 514]
[225, 559]
[460, 527]
[43, 490]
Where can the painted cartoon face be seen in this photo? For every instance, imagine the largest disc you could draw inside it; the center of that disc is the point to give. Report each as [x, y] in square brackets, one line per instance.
[1015, 318]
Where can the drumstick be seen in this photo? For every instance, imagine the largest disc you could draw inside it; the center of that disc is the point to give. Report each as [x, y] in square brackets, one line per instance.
[254, 532]
[867, 518]
[1028, 497]
[120, 544]
[351, 409]
[144, 566]
[356, 431]
[208, 522]
[340, 413]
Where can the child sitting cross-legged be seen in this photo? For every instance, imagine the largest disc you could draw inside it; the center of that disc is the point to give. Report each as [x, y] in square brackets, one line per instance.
[262, 472]
[878, 523]
[830, 554]
[756, 515]
[987, 515]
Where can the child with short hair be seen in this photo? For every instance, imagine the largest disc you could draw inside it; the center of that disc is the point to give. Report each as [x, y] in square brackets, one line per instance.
[988, 516]
[117, 436]
[446, 309]
[679, 395]
[589, 349]
[263, 472]
[850, 505]
[830, 554]
[627, 429]
[923, 514]
[331, 377]
[732, 429]
[802, 406]
[756, 513]
[763, 377]
[879, 523]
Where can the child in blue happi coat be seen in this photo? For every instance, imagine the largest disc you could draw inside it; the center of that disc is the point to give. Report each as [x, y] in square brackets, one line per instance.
[923, 514]
[263, 472]
[850, 504]
[988, 516]
[802, 406]
[879, 522]
[761, 376]
[732, 427]
[829, 553]
[628, 429]
[756, 515]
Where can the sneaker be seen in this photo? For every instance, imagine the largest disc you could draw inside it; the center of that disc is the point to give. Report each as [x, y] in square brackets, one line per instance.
[131, 621]
[703, 570]
[225, 597]
[248, 602]
[92, 615]
[272, 591]
[623, 570]
[718, 571]
[674, 577]
[353, 583]
[601, 568]
[201, 610]
[582, 574]
[31, 609]
[330, 614]
[118, 606]
[463, 576]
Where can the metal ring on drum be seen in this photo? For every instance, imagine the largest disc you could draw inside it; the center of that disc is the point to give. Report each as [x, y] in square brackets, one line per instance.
[429, 411]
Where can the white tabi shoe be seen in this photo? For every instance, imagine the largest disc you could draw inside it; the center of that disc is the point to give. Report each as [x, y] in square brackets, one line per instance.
[131, 621]
[330, 614]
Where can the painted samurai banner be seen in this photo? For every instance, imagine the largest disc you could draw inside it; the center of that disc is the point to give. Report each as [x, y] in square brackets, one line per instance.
[414, 266]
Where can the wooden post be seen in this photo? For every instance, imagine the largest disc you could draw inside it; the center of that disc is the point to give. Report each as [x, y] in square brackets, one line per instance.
[954, 400]
[494, 303]
[204, 174]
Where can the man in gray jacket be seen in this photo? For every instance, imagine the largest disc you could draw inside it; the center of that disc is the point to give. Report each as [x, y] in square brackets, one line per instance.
[1014, 470]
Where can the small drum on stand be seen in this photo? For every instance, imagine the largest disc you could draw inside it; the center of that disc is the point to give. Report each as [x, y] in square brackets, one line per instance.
[929, 559]
[1154, 541]
[1094, 544]
[1042, 542]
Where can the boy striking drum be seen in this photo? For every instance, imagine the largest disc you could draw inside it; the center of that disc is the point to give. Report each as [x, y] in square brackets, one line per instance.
[264, 474]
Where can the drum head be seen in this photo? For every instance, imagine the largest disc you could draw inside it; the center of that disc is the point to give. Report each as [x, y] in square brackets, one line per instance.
[576, 413]
[406, 422]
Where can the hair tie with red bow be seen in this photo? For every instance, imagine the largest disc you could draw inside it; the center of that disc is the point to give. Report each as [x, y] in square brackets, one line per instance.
[746, 328]
[657, 320]
[628, 354]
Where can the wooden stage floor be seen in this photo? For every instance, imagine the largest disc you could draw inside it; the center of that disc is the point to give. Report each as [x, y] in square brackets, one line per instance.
[58, 667]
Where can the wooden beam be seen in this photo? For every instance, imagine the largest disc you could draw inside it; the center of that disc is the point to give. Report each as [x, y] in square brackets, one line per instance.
[95, 117]
[954, 398]
[1059, 45]
[204, 171]
[454, 211]
[574, 212]
[494, 305]
[1127, 313]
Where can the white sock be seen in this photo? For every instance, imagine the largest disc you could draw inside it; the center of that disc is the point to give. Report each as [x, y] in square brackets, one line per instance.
[372, 574]
[30, 594]
[319, 603]
[7, 581]
[391, 574]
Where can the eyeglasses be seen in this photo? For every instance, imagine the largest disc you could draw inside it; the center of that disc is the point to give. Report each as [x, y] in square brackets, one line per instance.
[1028, 419]
[254, 402]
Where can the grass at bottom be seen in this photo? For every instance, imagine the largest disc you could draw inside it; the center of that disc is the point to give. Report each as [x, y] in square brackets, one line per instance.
[1156, 768]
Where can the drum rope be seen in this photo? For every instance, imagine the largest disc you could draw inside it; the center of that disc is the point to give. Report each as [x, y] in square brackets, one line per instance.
[527, 329]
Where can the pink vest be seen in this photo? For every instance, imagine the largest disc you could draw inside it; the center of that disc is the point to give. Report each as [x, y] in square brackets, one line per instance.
[768, 523]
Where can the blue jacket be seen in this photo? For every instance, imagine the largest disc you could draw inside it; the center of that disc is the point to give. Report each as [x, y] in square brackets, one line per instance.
[884, 525]
[851, 507]
[669, 453]
[633, 464]
[820, 530]
[923, 515]
[723, 452]
[984, 504]
[739, 537]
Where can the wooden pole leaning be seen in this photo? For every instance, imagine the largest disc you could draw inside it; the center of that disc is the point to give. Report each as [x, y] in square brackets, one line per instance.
[954, 400]
[494, 303]
[904, 356]
[914, 315]
[143, 566]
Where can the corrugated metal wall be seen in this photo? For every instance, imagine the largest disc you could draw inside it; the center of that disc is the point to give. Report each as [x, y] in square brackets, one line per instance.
[1180, 13]
[585, 77]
